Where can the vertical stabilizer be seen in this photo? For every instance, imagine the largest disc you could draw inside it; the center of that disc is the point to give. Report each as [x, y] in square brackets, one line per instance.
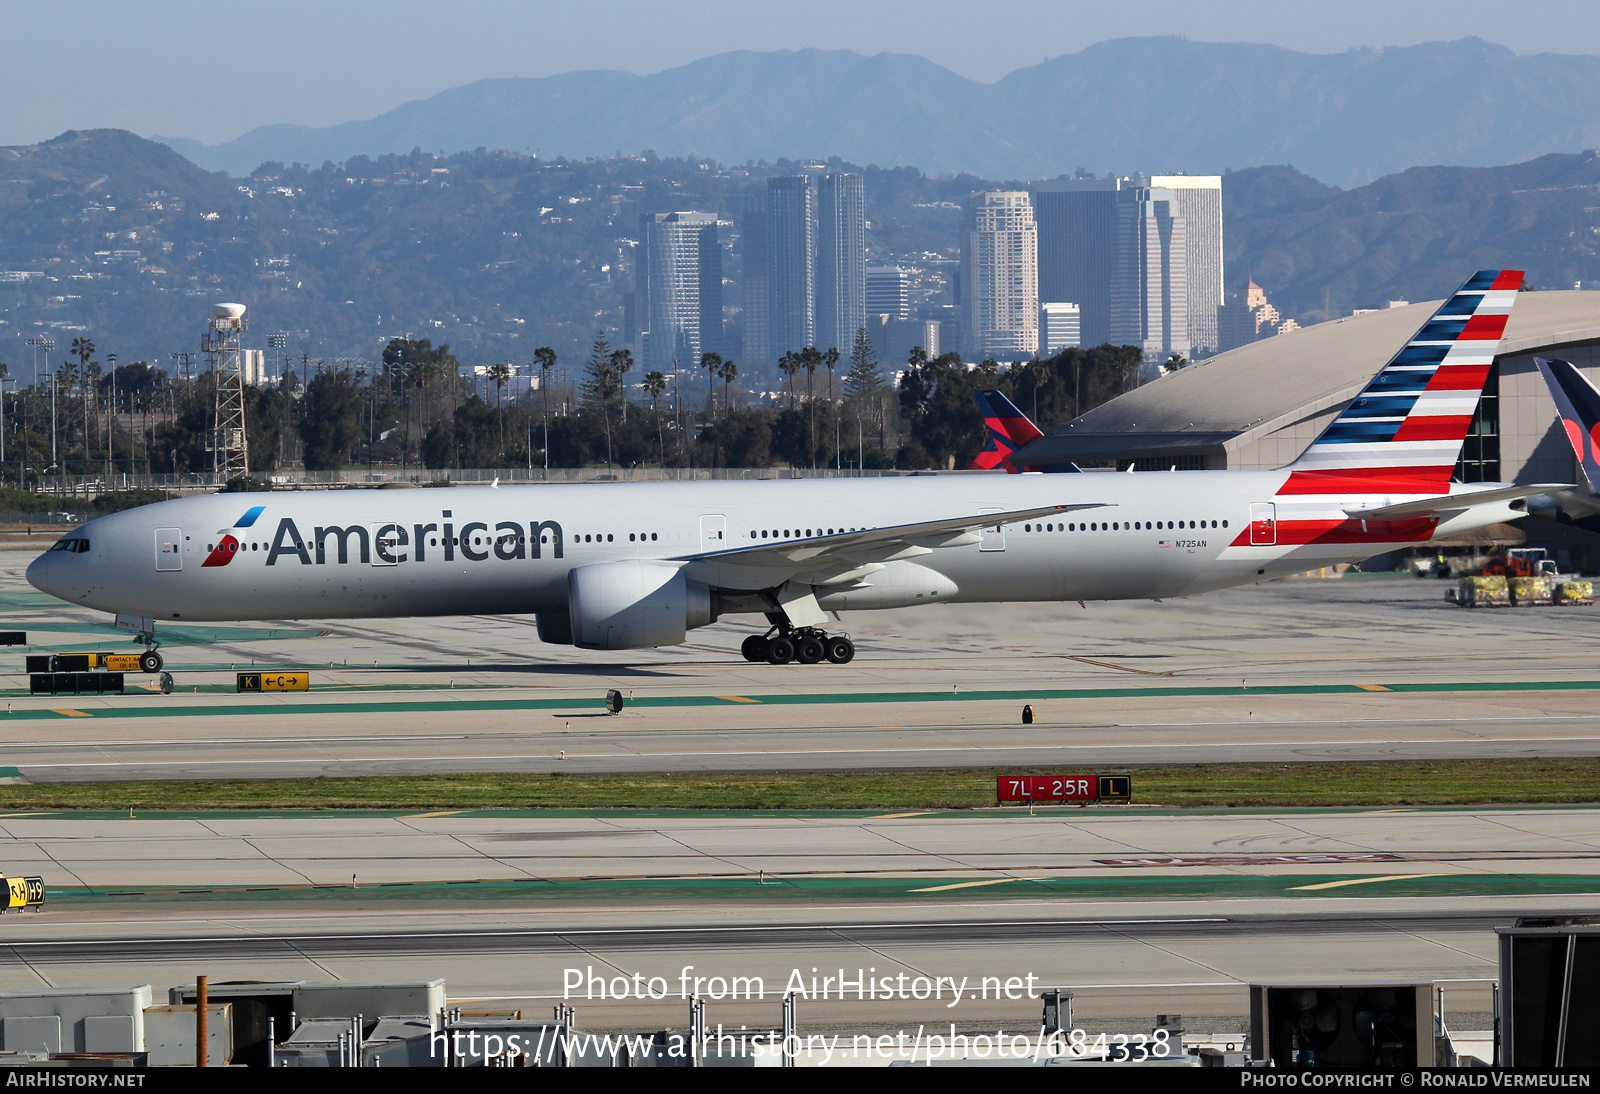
[1578, 403]
[1403, 433]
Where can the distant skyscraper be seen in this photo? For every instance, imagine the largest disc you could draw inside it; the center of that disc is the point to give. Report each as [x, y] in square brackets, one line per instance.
[1149, 287]
[1198, 199]
[1248, 317]
[893, 339]
[753, 250]
[680, 282]
[791, 264]
[1000, 276]
[841, 261]
[1060, 327]
[1077, 221]
[889, 291]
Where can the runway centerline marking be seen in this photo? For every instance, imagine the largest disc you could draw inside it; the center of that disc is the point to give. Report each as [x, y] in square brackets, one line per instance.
[1362, 881]
[969, 885]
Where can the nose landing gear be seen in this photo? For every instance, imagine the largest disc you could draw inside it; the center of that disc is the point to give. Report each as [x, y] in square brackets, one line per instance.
[807, 645]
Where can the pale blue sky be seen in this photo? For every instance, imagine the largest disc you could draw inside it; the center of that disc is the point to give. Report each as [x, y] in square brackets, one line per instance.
[213, 70]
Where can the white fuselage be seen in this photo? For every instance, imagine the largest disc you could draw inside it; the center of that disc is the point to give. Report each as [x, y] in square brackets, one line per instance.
[473, 549]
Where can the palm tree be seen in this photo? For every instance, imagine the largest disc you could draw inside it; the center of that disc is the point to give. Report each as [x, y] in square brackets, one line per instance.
[90, 381]
[810, 358]
[546, 358]
[789, 364]
[831, 358]
[500, 373]
[83, 349]
[622, 364]
[656, 384]
[728, 371]
[712, 363]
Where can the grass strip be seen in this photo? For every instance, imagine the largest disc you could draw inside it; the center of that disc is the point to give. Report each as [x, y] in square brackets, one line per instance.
[1446, 782]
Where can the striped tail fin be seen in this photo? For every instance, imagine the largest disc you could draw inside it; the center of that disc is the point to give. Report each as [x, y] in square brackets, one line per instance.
[1009, 430]
[1403, 433]
[1578, 403]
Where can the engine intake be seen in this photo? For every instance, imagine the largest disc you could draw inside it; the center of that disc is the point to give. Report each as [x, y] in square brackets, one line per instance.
[635, 605]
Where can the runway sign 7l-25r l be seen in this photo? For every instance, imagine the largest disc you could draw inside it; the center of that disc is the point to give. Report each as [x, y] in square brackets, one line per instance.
[1064, 788]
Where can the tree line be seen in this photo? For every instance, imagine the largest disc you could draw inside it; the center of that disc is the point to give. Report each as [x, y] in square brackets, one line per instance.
[414, 409]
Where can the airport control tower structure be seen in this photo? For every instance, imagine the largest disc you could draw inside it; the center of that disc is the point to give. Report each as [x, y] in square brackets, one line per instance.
[230, 454]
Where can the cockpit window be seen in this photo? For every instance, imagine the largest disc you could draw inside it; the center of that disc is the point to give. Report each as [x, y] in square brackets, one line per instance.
[74, 545]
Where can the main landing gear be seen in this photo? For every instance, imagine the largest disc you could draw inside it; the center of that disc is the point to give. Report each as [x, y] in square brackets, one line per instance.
[806, 645]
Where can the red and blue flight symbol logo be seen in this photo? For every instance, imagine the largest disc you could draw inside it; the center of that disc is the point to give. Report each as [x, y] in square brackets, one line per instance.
[228, 545]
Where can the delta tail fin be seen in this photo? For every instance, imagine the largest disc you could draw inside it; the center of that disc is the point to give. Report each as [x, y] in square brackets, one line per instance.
[1009, 430]
[1403, 433]
[1578, 403]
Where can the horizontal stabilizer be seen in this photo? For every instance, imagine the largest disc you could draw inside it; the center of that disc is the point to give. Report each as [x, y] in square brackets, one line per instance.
[1453, 503]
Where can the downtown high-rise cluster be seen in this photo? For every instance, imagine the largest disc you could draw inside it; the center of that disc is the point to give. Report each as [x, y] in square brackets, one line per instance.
[1083, 261]
[804, 249]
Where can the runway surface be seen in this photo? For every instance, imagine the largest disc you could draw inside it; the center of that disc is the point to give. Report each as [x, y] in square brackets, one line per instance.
[1140, 911]
[1298, 670]
[1070, 852]
[1192, 906]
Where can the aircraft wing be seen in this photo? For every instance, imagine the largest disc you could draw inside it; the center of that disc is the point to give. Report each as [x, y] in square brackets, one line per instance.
[847, 556]
[1453, 503]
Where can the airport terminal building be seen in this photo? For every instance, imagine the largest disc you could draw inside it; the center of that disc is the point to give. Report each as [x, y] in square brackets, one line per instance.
[1259, 406]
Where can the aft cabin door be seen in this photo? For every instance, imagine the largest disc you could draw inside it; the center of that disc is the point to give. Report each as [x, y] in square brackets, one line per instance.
[169, 549]
[714, 532]
[1263, 524]
[992, 539]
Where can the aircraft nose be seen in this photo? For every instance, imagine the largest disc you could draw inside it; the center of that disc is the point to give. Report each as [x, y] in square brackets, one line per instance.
[39, 572]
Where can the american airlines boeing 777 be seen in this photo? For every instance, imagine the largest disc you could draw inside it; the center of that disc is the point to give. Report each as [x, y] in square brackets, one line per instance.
[627, 566]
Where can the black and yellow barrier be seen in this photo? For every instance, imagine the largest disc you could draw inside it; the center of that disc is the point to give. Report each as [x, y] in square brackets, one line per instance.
[24, 892]
[274, 681]
[76, 683]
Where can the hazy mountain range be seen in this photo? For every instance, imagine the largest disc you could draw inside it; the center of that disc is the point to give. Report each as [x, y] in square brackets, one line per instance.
[1153, 104]
[105, 233]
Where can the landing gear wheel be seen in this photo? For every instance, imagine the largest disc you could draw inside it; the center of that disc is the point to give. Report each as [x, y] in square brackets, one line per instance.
[808, 650]
[150, 661]
[780, 651]
[754, 648]
[840, 650]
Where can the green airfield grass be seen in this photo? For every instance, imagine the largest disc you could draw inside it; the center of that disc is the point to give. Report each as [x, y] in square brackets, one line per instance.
[1305, 785]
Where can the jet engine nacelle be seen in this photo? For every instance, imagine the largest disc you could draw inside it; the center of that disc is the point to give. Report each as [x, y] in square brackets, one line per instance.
[633, 605]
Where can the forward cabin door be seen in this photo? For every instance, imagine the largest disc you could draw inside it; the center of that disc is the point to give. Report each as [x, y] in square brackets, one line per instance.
[713, 532]
[169, 549]
[992, 539]
[388, 542]
[1263, 524]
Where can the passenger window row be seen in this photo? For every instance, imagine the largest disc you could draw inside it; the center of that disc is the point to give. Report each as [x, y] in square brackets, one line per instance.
[797, 533]
[1119, 526]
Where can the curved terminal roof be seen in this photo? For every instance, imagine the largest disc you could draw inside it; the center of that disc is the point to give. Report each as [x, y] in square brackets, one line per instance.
[1266, 386]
